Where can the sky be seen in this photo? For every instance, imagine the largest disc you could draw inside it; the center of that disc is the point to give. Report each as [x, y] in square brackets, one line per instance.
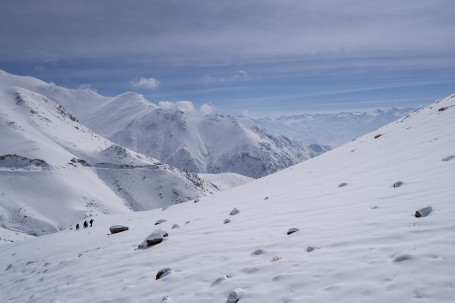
[240, 57]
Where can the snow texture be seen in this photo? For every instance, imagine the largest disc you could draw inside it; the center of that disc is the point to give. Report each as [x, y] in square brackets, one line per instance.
[55, 172]
[370, 246]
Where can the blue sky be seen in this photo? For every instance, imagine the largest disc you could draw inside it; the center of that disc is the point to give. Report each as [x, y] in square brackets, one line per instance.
[256, 58]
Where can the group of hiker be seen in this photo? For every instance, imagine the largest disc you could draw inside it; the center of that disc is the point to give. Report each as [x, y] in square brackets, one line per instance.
[85, 224]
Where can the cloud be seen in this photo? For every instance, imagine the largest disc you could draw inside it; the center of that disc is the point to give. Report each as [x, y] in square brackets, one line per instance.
[238, 76]
[246, 113]
[184, 105]
[86, 86]
[207, 32]
[188, 107]
[150, 83]
[207, 109]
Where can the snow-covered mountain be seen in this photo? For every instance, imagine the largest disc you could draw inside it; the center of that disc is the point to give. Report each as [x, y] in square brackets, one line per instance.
[211, 144]
[55, 171]
[332, 129]
[340, 227]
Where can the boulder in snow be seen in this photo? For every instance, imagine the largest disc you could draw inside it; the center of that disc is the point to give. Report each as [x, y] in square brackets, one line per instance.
[156, 237]
[377, 136]
[258, 252]
[160, 221]
[292, 230]
[227, 221]
[117, 228]
[234, 212]
[397, 184]
[163, 272]
[401, 258]
[423, 212]
[310, 248]
[448, 158]
[342, 184]
[175, 226]
[235, 295]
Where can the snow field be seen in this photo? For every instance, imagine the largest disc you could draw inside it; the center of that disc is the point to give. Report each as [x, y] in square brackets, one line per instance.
[368, 244]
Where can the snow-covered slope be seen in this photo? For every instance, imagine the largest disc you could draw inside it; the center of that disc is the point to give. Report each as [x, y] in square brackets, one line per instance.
[358, 239]
[211, 144]
[332, 129]
[225, 181]
[55, 171]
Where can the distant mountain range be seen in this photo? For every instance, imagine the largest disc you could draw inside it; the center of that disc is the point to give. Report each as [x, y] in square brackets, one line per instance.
[211, 144]
[332, 129]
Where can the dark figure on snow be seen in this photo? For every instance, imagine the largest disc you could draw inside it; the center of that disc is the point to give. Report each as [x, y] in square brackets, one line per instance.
[85, 224]
[91, 222]
[77, 226]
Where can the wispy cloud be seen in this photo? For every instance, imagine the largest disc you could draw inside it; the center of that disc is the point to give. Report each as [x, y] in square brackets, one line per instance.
[188, 107]
[207, 109]
[86, 86]
[184, 105]
[202, 32]
[149, 83]
[238, 76]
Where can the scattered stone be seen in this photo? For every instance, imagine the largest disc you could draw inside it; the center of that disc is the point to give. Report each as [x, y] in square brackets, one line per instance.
[227, 221]
[156, 237]
[266, 198]
[443, 109]
[9, 267]
[196, 201]
[117, 228]
[175, 226]
[163, 273]
[160, 221]
[310, 248]
[402, 258]
[258, 252]
[275, 258]
[377, 136]
[448, 158]
[423, 212]
[342, 184]
[397, 184]
[187, 222]
[292, 230]
[235, 295]
[234, 212]
[166, 299]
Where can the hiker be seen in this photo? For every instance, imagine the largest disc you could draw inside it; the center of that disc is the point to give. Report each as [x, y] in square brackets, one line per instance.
[91, 222]
[85, 224]
[77, 226]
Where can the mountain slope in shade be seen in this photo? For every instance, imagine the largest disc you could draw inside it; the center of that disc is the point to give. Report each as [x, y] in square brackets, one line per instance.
[55, 171]
[332, 129]
[211, 144]
[356, 236]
